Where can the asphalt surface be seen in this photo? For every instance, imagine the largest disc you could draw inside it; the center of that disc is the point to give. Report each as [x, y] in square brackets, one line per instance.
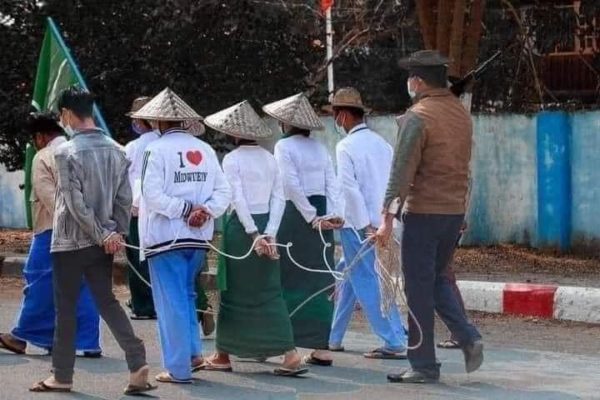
[514, 369]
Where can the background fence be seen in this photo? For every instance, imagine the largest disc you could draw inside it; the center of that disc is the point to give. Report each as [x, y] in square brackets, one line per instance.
[536, 179]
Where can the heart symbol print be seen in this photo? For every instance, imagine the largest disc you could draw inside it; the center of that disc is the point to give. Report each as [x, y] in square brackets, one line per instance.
[195, 157]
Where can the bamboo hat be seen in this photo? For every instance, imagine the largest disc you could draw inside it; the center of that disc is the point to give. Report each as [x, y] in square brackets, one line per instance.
[137, 104]
[239, 120]
[295, 111]
[348, 97]
[167, 106]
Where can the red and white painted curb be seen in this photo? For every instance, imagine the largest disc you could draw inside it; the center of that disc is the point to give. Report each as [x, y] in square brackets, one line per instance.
[543, 301]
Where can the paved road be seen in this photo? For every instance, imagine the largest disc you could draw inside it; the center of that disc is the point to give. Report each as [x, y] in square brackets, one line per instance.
[521, 371]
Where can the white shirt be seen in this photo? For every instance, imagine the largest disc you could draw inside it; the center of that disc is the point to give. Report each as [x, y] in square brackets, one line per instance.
[134, 151]
[364, 160]
[254, 178]
[180, 172]
[307, 170]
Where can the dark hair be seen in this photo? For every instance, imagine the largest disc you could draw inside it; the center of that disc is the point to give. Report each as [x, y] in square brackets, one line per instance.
[77, 100]
[434, 76]
[43, 122]
[172, 124]
[245, 142]
[357, 113]
[299, 131]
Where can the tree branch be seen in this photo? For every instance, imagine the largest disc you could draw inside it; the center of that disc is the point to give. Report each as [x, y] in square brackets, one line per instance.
[524, 35]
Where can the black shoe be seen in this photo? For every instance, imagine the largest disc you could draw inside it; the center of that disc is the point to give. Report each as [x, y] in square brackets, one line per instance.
[473, 356]
[412, 376]
[92, 354]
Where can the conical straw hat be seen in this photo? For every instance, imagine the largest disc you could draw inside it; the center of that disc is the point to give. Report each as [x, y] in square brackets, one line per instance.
[240, 121]
[295, 111]
[137, 104]
[166, 106]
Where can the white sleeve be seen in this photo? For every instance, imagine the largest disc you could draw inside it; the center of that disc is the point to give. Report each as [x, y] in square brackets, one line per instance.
[356, 212]
[220, 199]
[276, 205]
[232, 173]
[136, 190]
[332, 190]
[153, 182]
[134, 181]
[292, 186]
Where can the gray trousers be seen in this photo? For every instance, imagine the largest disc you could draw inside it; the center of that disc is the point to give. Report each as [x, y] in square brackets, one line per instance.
[427, 246]
[69, 269]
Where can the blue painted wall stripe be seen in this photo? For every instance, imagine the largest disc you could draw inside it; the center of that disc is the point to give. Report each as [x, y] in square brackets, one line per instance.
[554, 179]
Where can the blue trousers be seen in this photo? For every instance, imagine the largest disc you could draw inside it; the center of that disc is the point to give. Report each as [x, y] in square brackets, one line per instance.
[36, 320]
[427, 247]
[173, 275]
[363, 286]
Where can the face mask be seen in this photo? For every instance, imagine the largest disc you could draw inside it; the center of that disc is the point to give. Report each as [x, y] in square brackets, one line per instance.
[137, 129]
[411, 93]
[339, 128]
[67, 129]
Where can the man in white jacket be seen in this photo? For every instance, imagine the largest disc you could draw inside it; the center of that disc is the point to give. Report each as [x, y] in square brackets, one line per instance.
[183, 191]
[364, 160]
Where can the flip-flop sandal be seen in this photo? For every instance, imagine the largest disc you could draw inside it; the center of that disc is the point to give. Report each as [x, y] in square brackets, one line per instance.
[165, 377]
[383, 354]
[448, 344]
[197, 367]
[41, 387]
[317, 361]
[5, 345]
[210, 366]
[282, 371]
[132, 390]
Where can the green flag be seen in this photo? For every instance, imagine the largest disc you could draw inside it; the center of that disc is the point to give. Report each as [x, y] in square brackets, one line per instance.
[56, 71]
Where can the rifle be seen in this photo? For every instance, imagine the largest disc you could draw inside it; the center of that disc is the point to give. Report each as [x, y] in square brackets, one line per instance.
[458, 86]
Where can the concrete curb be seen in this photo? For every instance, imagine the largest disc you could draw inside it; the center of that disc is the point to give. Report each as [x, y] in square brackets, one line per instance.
[543, 301]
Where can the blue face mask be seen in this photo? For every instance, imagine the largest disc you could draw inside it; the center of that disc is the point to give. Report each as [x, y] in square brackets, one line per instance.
[135, 128]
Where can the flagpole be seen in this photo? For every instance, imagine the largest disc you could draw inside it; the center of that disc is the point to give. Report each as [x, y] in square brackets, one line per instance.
[58, 36]
[329, 37]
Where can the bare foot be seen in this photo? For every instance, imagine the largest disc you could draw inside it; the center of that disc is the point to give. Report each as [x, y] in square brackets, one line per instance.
[292, 360]
[324, 355]
[140, 377]
[12, 344]
[219, 358]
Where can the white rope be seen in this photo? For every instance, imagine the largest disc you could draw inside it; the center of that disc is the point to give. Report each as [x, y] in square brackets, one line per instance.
[398, 291]
[366, 246]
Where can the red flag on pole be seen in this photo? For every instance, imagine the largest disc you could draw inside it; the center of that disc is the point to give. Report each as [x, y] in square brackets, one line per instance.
[326, 5]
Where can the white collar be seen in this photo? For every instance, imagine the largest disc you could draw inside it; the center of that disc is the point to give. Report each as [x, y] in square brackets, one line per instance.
[358, 127]
[56, 141]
